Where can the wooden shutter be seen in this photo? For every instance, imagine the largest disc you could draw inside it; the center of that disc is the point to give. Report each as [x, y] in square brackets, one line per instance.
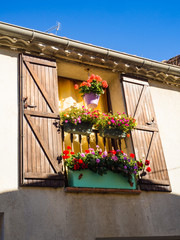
[40, 144]
[145, 138]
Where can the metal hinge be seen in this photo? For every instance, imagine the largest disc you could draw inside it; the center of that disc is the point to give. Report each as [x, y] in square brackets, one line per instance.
[26, 105]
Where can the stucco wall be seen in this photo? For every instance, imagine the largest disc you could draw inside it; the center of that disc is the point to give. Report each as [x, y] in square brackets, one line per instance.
[8, 121]
[36, 213]
[166, 101]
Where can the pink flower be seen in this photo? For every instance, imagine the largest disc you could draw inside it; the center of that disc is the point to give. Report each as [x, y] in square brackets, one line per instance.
[114, 158]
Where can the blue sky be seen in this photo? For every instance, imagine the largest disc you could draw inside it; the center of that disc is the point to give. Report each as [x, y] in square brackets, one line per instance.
[148, 28]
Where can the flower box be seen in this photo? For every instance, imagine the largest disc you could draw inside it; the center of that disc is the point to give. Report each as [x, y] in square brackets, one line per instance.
[87, 178]
[112, 133]
[81, 128]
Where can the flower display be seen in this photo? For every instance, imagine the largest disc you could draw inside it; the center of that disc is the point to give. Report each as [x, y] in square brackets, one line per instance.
[116, 121]
[100, 162]
[79, 115]
[94, 84]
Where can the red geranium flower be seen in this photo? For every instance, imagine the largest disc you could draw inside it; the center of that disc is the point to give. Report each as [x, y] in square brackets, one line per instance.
[65, 157]
[132, 155]
[113, 152]
[65, 152]
[122, 151]
[86, 151]
[148, 169]
[80, 161]
[104, 84]
[147, 162]
[72, 152]
[92, 76]
[128, 135]
[68, 147]
[140, 164]
[76, 86]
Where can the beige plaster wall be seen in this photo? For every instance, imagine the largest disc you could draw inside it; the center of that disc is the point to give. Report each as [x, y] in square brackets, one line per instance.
[8, 121]
[35, 213]
[166, 101]
[45, 213]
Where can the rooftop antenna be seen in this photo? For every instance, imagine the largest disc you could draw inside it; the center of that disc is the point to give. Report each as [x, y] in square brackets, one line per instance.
[56, 27]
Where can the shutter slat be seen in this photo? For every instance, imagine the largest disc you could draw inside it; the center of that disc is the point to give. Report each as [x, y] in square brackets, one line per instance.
[32, 175]
[145, 137]
[43, 145]
[41, 141]
[141, 100]
[39, 61]
[36, 79]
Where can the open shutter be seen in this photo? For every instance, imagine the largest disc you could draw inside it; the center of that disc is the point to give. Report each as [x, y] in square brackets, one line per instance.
[40, 141]
[145, 138]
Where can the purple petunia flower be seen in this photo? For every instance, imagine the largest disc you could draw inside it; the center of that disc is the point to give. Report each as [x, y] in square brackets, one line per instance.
[112, 121]
[97, 160]
[129, 160]
[125, 158]
[105, 154]
[82, 155]
[97, 146]
[114, 158]
[91, 149]
[135, 172]
[93, 153]
[66, 121]
[125, 167]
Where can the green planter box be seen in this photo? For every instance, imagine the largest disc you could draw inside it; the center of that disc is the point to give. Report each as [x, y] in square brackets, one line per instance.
[94, 180]
[81, 128]
[112, 133]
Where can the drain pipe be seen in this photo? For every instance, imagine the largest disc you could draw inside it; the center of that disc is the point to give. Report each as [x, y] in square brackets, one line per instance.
[36, 36]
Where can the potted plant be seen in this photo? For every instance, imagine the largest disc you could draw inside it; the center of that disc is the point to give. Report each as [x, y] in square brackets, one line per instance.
[115, 125]
[92, 89]
[78, 120]
[98, 169]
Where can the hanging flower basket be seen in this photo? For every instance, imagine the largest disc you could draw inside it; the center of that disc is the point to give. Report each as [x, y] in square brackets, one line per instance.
[80, 128]
[115, 125]
[91, 100]
[91, 90]
[112, 133]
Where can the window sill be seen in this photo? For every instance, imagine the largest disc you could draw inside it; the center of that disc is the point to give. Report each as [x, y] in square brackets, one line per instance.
[100, 190]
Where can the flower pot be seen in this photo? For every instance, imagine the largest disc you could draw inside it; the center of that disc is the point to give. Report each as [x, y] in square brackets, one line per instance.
[80, 128]
[87, 178]
[111, 133]
[91, 100]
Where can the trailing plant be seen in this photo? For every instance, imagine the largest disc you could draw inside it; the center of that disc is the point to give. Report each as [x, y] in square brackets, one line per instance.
[100, 162]
[116, 121]
[76, 115]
